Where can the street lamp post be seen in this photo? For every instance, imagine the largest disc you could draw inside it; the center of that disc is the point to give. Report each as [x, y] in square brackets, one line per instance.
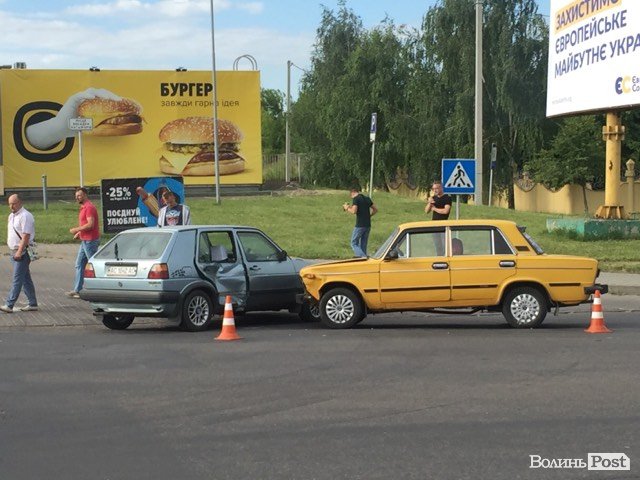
[287, 132]
[478, 103]
[215, 106]
[287, 138]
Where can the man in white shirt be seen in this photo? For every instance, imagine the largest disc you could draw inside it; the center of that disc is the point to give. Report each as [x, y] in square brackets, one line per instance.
[20, 233]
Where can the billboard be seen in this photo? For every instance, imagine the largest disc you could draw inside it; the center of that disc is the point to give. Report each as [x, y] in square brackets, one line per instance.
[594, 56]
[142, 124]
[135, 202]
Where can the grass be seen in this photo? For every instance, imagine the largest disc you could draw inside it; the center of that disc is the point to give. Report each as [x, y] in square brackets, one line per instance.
[314, 225]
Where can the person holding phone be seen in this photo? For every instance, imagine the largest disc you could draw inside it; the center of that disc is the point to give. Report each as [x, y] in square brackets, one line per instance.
[439, 203]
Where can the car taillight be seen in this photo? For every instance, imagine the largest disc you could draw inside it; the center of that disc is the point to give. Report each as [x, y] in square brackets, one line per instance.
[89, 272]
[159, 271]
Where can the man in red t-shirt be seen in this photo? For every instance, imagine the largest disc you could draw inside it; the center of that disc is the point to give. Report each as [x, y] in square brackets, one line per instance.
[88, 231]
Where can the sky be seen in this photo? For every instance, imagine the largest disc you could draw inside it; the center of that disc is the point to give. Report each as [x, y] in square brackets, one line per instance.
[166, 34]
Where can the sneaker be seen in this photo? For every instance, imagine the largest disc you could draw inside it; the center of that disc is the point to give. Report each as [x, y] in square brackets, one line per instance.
[6, 309]
[72, 294]
[29, 308]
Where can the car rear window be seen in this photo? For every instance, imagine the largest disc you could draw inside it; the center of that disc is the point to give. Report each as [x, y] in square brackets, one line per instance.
[136, 246]
[537, 248]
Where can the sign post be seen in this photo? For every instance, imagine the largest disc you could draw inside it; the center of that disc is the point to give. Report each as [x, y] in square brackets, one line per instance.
[372, 139]
[80, 124]
[458, 177]
[494, 155]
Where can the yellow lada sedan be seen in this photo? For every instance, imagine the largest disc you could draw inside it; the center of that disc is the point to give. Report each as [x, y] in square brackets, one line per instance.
[455, 264]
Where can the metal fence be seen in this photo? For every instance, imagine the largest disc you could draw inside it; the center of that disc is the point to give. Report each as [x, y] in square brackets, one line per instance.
[274, 168]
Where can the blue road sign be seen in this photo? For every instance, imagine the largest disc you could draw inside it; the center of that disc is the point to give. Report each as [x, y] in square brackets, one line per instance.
[458, 175]
[374, 127]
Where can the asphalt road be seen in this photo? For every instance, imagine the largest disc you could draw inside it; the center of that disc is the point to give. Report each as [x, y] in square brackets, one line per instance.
[404, 396]
[401, 396]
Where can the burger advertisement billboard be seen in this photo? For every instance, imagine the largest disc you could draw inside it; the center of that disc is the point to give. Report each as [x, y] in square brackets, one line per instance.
[594, 56]
[144, 124]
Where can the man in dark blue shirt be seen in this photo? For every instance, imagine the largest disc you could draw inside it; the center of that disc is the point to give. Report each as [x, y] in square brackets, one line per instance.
[363, 208]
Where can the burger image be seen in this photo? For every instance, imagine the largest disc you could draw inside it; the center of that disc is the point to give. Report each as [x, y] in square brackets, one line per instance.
[112, 117]
[189, 147]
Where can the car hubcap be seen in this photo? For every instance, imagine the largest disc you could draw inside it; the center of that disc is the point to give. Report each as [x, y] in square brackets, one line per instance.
[339, 309]
[314, 309]
[525, 309]
[198, 311]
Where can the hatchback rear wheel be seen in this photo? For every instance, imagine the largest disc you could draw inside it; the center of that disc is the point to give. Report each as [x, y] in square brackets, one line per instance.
[525, 307]
[117, 322]
[197, 311]
[310, 311]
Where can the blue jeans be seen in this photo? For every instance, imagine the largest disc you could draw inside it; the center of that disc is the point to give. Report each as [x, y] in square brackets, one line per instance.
[359, 239]
[22, 278]
[87, 249]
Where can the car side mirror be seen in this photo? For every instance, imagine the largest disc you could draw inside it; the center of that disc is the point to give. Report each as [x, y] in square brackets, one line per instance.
[282, 255]
[392, 254]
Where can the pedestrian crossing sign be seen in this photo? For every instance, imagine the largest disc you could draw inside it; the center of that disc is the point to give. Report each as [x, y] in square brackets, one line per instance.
[458, 175]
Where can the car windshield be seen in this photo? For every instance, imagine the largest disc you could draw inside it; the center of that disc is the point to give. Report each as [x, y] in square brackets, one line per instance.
[383, 248]
[135, 246]
[537, 248]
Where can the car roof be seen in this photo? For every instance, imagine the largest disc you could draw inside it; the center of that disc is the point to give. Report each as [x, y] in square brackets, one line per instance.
[179, 228]
[458, 223]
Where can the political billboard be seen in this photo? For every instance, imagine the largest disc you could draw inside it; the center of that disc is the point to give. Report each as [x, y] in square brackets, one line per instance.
[141, 124]
[594, 56]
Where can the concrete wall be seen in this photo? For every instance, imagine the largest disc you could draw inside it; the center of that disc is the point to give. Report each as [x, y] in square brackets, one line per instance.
[535, 197]
[569, 199]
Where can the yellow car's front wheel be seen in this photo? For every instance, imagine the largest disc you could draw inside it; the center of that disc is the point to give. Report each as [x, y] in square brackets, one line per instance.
[340, 308]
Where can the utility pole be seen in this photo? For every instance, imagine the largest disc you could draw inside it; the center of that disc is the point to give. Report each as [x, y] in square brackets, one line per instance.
[478, 107]
[287, 140]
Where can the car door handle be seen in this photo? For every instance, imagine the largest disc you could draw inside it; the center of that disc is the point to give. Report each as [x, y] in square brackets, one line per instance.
[254, 267]
[440, 265]
[507, 263]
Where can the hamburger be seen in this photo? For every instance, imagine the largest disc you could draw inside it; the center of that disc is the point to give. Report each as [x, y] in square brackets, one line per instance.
[189, 147]
[112, 117]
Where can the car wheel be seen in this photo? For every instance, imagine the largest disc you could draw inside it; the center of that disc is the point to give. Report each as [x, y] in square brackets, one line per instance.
[310, 311]
[340, 308]
[525, 307]
[117, 322]
[197, 311]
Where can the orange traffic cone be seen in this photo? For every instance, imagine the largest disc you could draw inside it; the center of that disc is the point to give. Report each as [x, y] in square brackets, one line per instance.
[597, 317]
[228, 323]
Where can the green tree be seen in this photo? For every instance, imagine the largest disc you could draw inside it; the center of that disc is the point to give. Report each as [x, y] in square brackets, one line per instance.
[631, 144]
[354, 73]
[317, 117]
[575, 156]
[273, 121]
[514, 71]
[421, 83]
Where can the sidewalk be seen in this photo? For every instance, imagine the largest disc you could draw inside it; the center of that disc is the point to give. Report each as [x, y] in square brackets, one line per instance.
[621, 283]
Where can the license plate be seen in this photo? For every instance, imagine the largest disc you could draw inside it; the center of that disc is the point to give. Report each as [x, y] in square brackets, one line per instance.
[121, 270]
